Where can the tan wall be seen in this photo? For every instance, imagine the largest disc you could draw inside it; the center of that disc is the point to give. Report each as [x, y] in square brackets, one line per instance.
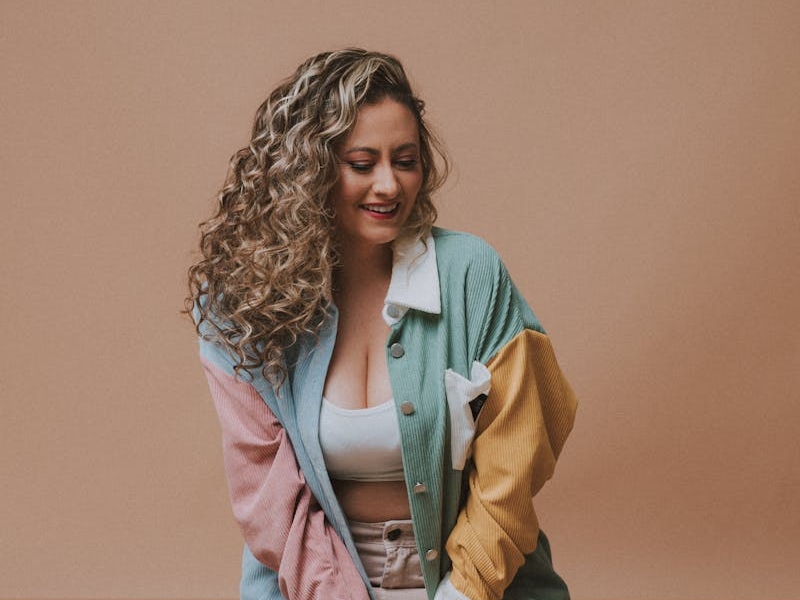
[635, 163]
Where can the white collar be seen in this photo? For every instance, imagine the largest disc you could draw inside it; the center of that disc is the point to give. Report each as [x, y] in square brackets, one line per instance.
[415, 279]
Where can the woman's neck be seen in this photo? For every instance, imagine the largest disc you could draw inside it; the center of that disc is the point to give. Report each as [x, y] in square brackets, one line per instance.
[363, 267]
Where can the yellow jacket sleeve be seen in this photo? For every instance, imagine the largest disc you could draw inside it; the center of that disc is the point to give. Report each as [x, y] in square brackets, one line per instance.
[520, 432]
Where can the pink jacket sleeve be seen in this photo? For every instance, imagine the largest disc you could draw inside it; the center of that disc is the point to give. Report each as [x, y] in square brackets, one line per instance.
[281, 521]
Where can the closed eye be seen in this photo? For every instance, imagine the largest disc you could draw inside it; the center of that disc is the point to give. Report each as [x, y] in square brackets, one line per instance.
[407, 164]
[361, 167]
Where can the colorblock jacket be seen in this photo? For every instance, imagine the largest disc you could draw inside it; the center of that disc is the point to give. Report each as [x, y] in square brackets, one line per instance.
[483, 410]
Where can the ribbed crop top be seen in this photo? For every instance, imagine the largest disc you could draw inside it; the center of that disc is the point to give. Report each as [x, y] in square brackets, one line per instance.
[361, 444]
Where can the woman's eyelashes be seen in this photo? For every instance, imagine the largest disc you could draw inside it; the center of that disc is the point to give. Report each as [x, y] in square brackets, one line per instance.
[360, 167]
[404, 164]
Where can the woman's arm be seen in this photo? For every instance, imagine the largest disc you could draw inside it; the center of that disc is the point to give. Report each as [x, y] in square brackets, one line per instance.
[520, 432]
[281, 521]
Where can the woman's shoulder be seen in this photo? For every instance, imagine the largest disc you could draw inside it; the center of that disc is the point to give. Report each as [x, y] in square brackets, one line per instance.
[460, 245]
[461, 252]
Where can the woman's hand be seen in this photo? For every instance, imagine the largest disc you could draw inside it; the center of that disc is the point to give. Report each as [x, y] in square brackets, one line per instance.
[447, 591]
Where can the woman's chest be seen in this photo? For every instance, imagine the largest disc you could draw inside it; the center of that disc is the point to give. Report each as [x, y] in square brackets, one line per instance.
[358, 374]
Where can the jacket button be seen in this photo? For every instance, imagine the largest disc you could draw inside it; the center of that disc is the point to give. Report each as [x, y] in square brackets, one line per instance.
[407, 408]
[431, 554]
[397, 350]
[393, 311]
[420, 488]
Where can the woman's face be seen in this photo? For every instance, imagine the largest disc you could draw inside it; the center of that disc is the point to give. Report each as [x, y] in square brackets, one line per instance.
[379, 174]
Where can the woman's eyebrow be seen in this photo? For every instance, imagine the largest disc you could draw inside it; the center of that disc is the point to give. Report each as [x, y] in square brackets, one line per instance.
[375, 152]
[408, 146]
[366, 149]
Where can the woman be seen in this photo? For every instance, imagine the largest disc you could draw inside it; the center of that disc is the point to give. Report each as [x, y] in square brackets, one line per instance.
[389, 404]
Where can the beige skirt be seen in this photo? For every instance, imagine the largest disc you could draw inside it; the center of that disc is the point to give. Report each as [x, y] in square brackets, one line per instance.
[389, 553]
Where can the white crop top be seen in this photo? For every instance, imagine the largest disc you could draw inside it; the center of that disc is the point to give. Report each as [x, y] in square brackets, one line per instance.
[361, 444]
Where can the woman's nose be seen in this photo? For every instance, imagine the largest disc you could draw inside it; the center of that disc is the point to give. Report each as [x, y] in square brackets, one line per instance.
[385, 183]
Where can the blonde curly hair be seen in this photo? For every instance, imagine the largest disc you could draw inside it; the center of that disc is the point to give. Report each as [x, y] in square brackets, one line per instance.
[268, 253]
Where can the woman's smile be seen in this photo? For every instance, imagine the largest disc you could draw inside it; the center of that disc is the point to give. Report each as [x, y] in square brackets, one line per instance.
[382, 211]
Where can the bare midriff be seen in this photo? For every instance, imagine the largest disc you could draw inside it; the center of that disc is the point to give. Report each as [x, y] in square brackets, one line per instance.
[372, 501]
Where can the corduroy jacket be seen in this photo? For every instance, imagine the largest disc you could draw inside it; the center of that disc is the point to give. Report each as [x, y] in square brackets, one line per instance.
[483, 410]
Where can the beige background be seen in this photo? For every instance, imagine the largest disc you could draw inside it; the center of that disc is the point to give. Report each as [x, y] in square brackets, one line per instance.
[635, 163]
